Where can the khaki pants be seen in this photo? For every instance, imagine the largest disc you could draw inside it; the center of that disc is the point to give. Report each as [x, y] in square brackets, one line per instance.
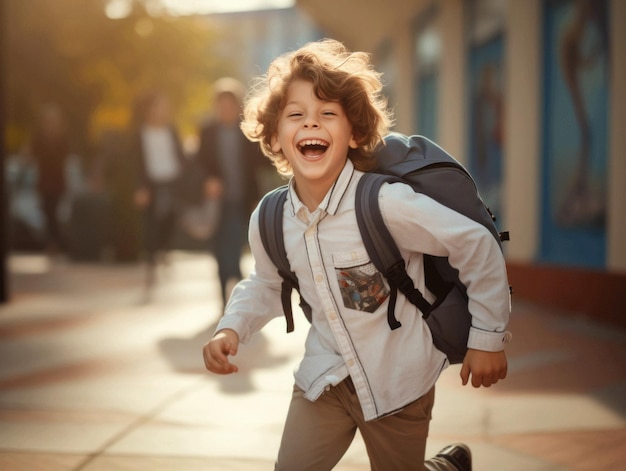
[317, 434]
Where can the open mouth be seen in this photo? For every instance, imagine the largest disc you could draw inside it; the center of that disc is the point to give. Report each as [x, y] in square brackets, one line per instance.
[312, 148]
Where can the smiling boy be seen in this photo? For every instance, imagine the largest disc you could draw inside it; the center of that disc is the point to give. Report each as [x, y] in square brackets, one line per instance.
[319, 113]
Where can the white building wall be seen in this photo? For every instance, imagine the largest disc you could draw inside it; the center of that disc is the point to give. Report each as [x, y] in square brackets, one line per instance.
[523, 106]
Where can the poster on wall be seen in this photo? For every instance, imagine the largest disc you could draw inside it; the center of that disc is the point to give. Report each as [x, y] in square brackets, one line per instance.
[576, 98]
[485, 95]
[486, 133]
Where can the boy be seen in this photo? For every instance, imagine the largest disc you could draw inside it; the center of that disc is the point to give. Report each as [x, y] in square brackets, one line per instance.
[318, 113]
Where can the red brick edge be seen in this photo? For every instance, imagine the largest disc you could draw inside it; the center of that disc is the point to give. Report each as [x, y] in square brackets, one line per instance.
[597, 294]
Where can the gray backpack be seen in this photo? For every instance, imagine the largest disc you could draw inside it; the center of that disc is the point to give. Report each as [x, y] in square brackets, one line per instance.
[428, 169]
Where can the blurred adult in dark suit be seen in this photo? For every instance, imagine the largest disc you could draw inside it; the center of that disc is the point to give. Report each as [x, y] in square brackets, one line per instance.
[231, 163]
[159, 163]
[50, 148]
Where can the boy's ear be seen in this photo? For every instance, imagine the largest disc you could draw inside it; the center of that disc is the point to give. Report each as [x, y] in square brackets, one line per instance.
[353, 144]
[275, 145]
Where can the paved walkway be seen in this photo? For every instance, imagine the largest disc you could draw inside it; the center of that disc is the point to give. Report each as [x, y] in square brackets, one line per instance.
[97, 376]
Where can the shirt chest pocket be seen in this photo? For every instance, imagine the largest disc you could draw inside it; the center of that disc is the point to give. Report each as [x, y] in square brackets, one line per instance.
[362, 286]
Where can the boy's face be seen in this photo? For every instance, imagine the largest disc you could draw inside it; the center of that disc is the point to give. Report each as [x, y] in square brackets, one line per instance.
[313, 135]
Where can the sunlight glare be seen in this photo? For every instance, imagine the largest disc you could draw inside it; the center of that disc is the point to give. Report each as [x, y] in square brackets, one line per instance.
[118, 9]
[191, 7]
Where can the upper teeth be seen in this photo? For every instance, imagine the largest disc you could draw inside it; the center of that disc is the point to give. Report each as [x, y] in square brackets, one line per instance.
[313, 142]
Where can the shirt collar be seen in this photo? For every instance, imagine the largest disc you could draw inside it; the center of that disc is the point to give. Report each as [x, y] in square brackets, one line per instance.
[331, 201]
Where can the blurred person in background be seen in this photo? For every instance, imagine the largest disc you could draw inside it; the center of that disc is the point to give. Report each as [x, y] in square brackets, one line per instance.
[231, 164]
[50, 148]
[159, 162]
[112, 180]
[25, 218]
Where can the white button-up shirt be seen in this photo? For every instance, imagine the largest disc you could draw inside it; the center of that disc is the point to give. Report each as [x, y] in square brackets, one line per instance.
[349, 333]
[160, 153]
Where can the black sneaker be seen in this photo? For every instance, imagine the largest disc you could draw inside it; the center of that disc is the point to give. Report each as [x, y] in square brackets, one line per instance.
[459, 455]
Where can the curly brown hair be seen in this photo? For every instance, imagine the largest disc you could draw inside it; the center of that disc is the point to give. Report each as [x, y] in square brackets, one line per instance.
[337, 75]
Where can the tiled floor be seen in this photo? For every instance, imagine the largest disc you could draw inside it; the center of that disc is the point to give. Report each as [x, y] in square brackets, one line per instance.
[96, 375]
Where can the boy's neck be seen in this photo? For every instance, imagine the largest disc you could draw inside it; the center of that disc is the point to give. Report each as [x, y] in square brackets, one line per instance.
[312, 192]
[311, 195]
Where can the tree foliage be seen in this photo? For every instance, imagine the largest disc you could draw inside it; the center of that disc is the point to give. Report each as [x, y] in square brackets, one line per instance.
[69, 52]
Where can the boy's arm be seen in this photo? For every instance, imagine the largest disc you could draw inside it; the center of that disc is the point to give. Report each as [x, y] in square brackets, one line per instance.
[420, 224]
[255, 300]
[253, 303]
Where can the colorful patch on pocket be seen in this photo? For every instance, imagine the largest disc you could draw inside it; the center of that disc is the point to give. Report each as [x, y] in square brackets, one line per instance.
[362, 287]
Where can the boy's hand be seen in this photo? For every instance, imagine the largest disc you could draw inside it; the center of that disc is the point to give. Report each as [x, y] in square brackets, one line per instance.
[216, 352]
[486, 368]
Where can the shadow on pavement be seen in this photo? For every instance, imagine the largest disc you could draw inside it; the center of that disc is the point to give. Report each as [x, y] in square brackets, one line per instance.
[184, 354]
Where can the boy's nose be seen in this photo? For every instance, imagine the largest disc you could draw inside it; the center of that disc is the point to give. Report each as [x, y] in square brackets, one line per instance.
[310, 123]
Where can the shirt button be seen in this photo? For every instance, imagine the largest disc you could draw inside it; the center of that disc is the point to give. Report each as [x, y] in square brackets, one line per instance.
[319, 278]
[332, 316]
[351, 362]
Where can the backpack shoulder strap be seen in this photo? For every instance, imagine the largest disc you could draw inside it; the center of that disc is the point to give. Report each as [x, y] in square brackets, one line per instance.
[381, 247]
[271, 227]
[271, 230]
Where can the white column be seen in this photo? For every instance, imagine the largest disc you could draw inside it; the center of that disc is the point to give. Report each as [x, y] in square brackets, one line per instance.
[451, 106]
[523, 94]
[616, 230]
